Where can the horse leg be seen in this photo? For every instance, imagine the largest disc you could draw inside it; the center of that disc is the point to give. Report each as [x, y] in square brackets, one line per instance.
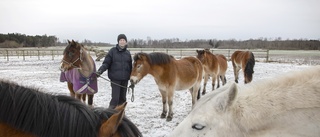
[218, 81]
[70, 87]
[194, 93]
[223, 79]
[90, 99]
[84, 97]
[214, 77]
[170, 102]
[206, 77]
[164, 103]
[236, 73]
[78, 96]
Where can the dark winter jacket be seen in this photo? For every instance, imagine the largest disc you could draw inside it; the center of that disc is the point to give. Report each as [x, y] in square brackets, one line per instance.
[118, 62]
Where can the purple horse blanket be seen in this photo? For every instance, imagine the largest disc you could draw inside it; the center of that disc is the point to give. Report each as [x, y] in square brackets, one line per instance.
[81, 84]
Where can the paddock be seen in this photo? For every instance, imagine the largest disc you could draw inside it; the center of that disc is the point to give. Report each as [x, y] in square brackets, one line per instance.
[144, 111]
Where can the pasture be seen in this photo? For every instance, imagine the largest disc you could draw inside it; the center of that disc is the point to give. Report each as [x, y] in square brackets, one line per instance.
[146, 108]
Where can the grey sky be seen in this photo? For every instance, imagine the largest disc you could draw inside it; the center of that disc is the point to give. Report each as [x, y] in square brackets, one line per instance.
[103, 20]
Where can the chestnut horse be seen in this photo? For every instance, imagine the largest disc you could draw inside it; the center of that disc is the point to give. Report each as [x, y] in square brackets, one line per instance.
[287, 105]
[215, 65]
[243, 60]
[169, 74]
[78, 69]
[28, 112]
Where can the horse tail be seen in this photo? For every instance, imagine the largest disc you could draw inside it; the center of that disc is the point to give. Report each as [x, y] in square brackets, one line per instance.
[249, 68]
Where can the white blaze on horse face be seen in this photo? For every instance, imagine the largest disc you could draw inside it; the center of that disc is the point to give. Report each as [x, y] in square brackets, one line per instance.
[136, 74]
[62, 68]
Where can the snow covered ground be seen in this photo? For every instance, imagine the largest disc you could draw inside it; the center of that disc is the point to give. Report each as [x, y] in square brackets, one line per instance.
[145, 110]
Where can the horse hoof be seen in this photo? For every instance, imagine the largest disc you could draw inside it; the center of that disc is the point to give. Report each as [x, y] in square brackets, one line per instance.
[163, 115]
[203, 93]
[169, 118]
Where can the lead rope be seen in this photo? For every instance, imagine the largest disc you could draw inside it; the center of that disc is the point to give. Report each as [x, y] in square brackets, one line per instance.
[130, 87]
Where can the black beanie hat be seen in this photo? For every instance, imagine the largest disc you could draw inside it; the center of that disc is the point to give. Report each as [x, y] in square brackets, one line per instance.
[122, 36]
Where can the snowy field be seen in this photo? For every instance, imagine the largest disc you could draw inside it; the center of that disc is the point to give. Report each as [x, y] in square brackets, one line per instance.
[145, 110]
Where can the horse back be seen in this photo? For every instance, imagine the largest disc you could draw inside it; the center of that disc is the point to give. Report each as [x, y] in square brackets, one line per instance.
[241, 57]
[222, 60]
[211, 65]
[189, 69]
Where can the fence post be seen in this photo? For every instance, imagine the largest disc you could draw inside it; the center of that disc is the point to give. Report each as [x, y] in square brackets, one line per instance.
[267, 60]
[23, 55]
[52, 54]
[7, 55]
[38, 55]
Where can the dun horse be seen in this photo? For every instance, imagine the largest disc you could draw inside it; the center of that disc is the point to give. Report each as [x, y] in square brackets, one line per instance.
[215, 66]
[170, 75]
[285, 106]
[78, 69]
[28, 112]
[243, 60]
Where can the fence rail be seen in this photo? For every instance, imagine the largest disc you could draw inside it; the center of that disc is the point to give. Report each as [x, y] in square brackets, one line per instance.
[262, 54]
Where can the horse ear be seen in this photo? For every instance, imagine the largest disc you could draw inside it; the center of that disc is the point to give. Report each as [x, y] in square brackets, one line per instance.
[121, 107]
[110, 127]
[227, 98]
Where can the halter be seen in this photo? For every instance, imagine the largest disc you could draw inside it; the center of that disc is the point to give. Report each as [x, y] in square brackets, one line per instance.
[80, 58]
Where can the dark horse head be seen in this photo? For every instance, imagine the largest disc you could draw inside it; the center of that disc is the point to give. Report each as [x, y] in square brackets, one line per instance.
[72, 56]
[30, 111]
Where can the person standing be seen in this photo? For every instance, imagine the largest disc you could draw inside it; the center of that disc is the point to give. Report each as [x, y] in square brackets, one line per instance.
[118, 62]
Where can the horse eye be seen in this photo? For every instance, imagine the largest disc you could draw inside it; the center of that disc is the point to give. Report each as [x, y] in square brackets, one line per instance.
[70, 54]
[198, 127]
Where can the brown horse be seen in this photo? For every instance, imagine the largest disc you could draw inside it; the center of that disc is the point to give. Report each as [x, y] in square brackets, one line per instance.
[78, 69]
[170, 75]
[28, 112]
[215, 66]
[243, 60]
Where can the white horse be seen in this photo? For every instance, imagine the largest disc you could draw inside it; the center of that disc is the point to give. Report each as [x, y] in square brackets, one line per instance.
[286, 106]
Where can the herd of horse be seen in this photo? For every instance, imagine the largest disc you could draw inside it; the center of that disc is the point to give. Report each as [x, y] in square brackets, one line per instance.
[230, 110]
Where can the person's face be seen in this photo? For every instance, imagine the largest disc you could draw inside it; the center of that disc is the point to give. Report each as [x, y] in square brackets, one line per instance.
[122, 42]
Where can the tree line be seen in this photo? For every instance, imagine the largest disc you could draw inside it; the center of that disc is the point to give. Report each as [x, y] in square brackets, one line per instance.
[261, 43]
[14, 40]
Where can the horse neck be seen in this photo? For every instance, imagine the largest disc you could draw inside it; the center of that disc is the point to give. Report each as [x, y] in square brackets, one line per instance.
[87, 64]
[274, 102]
[156, 70]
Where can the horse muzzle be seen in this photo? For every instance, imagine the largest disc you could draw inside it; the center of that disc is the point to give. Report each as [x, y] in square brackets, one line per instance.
[134, 80]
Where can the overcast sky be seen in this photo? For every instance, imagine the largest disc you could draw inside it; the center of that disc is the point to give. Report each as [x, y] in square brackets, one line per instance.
[103, 20]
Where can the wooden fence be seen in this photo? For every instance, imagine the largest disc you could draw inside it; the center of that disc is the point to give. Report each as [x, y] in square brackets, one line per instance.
[260, 54]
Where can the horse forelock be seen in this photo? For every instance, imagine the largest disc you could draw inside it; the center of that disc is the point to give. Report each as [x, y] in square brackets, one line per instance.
[41, 114]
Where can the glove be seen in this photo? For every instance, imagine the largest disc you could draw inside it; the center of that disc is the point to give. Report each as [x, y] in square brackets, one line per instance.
[98, 73]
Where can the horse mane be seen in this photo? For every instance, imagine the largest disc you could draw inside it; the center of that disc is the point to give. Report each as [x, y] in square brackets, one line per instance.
[250, 65]
[155, 58]
[42, 114]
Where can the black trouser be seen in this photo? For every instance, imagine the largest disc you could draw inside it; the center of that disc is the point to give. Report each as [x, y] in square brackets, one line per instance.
[118, 93]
